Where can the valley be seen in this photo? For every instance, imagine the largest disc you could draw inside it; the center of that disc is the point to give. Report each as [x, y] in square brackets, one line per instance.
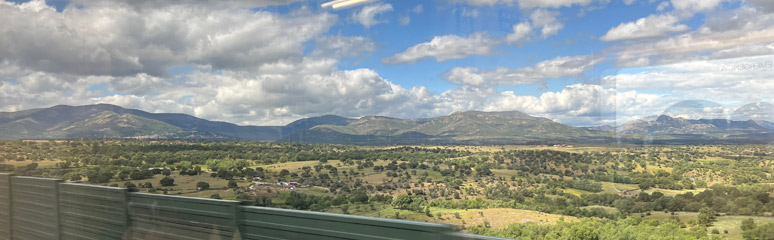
[516, 191]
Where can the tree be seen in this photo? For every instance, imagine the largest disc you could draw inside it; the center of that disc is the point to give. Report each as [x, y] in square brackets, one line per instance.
[624, 205]
[706, 215]
[284, 172]
[403, 201]
[748, 224]
[232, 184]
[167, 181]
[762, 232]
[201, 186]
[166, 172]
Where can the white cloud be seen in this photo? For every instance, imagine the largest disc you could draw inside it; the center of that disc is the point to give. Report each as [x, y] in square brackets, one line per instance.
[489, 2]
[731, 82]
[696, 5]
[762, 5]
[546, 21]
[520, 31]
[554, 68]
[418, 9]
[404, 20]
[662, 6]
[369, 13]
[577, 104]
[528, 4]
[740, 32]
[342, 46]
[105, 39]
[446, 47]
[146, 4]
[552, 3]
[647, 27]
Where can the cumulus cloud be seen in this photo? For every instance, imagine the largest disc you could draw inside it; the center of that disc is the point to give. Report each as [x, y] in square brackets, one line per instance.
[527, 4]
[520, 31]
[740, 32]
[577, 104]
[367, 16]
[104, 39]
[696, 5]
[728, 81]
[342, 46]
[554, 68]
[165, 3]
[647, 27]
[446, 47]
[546, 21]
[762, 5]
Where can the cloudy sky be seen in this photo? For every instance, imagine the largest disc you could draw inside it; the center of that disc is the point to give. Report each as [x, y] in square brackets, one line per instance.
[269, 62]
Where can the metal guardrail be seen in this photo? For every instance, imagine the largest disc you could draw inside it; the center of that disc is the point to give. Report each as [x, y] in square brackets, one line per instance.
[5, 207]
[40, 208]
[35, 208]
[156, 216]
[92, 212]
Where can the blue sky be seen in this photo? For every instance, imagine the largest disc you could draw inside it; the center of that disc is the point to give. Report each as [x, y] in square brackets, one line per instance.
[269, 62]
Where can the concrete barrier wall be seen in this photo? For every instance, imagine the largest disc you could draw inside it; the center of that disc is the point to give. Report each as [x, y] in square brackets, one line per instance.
[40, 209]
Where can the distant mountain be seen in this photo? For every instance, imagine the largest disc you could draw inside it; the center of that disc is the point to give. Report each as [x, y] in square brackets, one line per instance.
[471, 127]
[110, 121]
[766, 124]
[668, 125]
[96, 121]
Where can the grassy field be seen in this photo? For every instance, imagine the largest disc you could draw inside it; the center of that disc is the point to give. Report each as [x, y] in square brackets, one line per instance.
[722, 223]
[500, 218]
[670, 192]
[617, 188]
[186, 186]
[41, 163]
[732, 224]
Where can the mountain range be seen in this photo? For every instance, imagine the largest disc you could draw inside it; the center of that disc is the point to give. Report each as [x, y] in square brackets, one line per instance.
[470, 127]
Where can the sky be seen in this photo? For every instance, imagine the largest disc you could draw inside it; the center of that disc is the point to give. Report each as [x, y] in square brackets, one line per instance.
[270, 62]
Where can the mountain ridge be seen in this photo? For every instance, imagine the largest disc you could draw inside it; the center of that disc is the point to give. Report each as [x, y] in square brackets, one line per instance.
[469, 127]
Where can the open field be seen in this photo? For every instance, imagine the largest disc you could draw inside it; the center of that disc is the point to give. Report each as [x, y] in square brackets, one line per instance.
[722, 223]
[41, 164]
[499, 218]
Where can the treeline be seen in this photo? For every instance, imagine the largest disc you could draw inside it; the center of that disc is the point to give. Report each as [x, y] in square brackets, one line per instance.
[587, 228]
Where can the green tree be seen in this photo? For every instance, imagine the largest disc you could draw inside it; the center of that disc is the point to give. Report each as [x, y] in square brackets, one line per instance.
[232, 184]
[624, 205]
[403, 201]
[747, 224]
[763, 232]
[201, 186]
[167, 181]
[706, 216]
